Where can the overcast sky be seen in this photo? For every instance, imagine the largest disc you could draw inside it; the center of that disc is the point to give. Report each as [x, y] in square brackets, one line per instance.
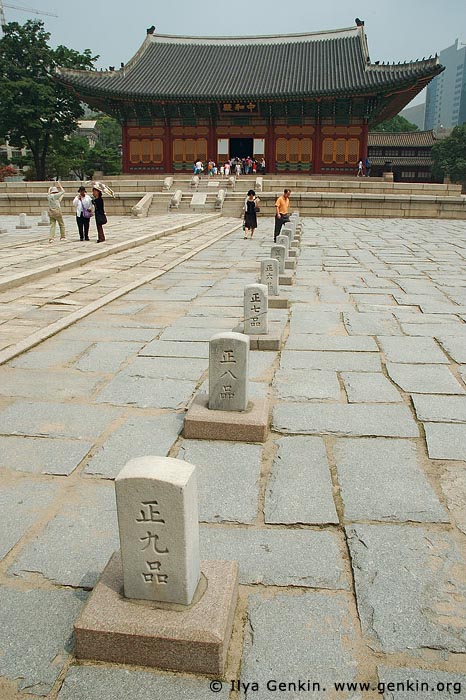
[397, 30]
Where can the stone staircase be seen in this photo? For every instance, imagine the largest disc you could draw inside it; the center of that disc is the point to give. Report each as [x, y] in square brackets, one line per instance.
[312, 196]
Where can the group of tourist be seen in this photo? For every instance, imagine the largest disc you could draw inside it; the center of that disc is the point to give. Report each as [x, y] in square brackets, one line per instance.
[85, 206]
[252, 208]
[364, 166]
[235, 166]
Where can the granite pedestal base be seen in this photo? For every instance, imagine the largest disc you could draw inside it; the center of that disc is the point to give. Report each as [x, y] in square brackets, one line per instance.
[201, 423]
[193, 639]
[23, 228]
[285, 280]
[278, 303]
[43, 223]
[292, 253]
[3, 230]
[290, 264]
[272, 340]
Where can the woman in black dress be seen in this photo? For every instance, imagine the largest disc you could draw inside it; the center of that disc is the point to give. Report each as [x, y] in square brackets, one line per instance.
[100, 218]
[250, 215]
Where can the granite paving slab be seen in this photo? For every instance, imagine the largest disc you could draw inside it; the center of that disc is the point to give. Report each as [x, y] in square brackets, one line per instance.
[55, 419]
[326, 322]
[407, 683]
[111, 683]
[410, 588]
[411, 349]
[169, 348]
[337, 361]
[167, 367]
[108, 332]
[342, 343]
[381, 479]
[42, 455]
[436, 330]
[107, 357]
[22, 502]
[454, 346]
[139, 436]
[453, 483]
[424, 379]
[366, 323]
[305, 385]
[446, 440]
[443, 409]
[320, 644]
[76, 544]
[51, 353]
[35, 646]
[349, 419]
[228, 479]
[369, 387]
[146, 392]
[299, 489]
[279, 557]
[61, 384]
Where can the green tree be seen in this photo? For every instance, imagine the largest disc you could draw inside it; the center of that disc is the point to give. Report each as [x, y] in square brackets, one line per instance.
[35, 109]
[68, 156]
[450, 155]
[395, 124]
[106, 159]
[109, 130]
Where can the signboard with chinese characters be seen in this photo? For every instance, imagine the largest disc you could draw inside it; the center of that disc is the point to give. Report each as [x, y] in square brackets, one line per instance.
[239, 107]
[159, 529]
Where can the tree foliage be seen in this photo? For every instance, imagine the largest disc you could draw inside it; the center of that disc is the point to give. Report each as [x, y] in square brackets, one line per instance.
[450, 155]
[396, 124]
[35, 109]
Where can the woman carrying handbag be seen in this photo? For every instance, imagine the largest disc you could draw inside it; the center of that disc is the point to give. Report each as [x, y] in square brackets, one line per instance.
[100, 218]
[83, 205]
[251, 209]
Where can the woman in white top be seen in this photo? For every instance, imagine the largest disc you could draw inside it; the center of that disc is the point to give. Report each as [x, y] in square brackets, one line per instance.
[83, 205]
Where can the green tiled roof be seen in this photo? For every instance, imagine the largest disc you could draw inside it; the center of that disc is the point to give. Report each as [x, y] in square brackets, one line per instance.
[407, 139]
[177, 68]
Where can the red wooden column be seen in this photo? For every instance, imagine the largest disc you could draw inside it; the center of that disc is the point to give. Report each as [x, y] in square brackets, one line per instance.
[125, 147]
[212, 143]
[167, 150]
[317, 150]
[270, 147]
[364, 140]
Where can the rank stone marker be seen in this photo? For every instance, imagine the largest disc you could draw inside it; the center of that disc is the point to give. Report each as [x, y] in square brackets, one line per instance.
[269, 275]
[23, 222]
[279, 253]
[44, 219]
[255, 309]
[284, 240]
[159, 529]
[159, 534]
[228, 372]
[227, 413]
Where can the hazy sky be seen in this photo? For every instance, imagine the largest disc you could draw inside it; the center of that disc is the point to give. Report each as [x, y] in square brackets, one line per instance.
[397, 30]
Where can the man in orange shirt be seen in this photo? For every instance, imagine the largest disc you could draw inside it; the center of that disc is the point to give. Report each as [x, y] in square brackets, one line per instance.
[281, 212]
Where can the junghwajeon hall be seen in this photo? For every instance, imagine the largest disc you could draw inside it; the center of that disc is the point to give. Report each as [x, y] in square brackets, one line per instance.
[304, 102]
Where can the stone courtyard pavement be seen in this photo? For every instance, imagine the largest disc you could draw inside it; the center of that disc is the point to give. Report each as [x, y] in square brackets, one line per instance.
[349, 523]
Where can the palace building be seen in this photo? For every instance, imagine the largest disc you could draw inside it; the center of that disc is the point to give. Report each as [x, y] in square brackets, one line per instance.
[304, 102]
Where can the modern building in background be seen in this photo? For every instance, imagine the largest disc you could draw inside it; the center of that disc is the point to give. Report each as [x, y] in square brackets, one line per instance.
[305, 102]
[446, 94]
